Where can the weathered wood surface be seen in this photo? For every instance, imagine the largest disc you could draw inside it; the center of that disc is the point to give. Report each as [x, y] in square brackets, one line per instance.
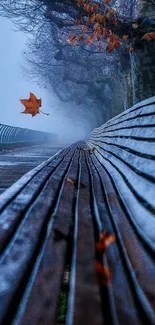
[45, 220]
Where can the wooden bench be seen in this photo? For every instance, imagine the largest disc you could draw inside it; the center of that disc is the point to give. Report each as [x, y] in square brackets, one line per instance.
[52, 217]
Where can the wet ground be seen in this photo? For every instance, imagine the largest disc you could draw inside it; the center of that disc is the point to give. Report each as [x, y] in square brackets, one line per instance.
[17, 162]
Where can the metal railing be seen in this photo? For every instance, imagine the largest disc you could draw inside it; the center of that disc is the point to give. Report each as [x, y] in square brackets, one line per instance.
[12, 134]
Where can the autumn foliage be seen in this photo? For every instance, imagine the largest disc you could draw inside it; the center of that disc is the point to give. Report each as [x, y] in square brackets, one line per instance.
[99, 24]
[149, 36]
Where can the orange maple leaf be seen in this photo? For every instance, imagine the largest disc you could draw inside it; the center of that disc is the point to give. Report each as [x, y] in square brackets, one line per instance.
[32, 105]
[104, 241]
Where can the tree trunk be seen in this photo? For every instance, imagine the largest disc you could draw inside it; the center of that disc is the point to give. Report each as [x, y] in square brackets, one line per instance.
[146, 8]
[143, 61]
[144, 72]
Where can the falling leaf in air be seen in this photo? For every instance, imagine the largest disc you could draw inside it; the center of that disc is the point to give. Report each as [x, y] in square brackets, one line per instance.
[32, 105]
[104, 241]
[103, 272]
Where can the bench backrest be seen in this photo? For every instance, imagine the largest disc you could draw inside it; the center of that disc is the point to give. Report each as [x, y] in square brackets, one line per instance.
[52, 217]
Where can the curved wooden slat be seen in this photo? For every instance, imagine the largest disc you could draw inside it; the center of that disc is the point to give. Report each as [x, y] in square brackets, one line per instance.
[45, 217]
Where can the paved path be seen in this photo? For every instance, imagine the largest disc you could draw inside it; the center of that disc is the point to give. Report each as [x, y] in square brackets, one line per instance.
[17, 162]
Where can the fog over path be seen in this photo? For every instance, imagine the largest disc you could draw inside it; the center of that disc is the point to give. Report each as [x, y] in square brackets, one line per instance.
[14, 85]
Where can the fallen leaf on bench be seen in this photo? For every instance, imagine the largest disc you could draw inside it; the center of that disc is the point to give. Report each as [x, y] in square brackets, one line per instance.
[69, 180]
[104, 241]
[103, 272]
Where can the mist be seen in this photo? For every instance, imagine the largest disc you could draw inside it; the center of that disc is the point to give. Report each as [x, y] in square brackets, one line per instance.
[14, 86]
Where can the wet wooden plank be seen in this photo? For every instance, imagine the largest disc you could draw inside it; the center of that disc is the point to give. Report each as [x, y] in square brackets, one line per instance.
[84, 305]
[47, 282]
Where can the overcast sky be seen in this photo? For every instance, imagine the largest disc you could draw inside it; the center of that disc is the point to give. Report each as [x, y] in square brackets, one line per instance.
[14, 86]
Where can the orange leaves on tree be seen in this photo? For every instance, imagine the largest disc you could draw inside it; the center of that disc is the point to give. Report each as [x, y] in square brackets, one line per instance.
[72, 39]
[84, 29]
[149, 36]
[95, 7]
[124, 37]
[32, 105]
[100, 46]
[97, 21]
[131, 50]
[105, 33]
[78, 22]
[93, 18]
[113, 12]
[98, 24]
[134, 26]
[115, 21]
[99, 18]
[112, 42]
[81, 37]
[90, 39]
[79, 3]
[107, 2]
[87, 8]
